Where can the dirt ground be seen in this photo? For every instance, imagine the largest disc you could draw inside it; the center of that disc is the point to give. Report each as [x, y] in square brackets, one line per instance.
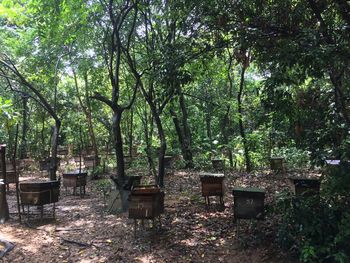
[84, 232]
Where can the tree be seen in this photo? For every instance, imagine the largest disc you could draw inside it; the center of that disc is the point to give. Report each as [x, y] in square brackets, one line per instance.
[16, 80]
[117, 32]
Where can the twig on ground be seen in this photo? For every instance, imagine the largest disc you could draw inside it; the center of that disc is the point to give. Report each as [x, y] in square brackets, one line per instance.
[76, 242]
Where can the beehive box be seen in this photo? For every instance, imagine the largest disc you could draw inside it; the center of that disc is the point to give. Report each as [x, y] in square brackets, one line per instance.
[74, 179]
[218, 164]
[306, 187]
[277, 164]
[168, 161]
[146, 202]
[11, 173]
[89, 161]
[44, 165]
[62, 150]
[248, 203]
[212, 184]
[39, 193]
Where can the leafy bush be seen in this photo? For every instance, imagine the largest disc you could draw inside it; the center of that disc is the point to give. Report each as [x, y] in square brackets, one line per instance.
[317, 228]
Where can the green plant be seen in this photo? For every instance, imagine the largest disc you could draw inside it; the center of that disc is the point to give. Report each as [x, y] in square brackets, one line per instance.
[317, 228]
[104, 186]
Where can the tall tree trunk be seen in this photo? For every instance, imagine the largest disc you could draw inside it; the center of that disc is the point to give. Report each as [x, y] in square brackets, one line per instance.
[88, 115]
[14, 154]
[227, 126]
[187, 140]
[87, 112]
[147, 122]
[54, 146]
[23, 146]
[184, 142]
[241, 126]
[118, 144]
[42, 136]
[4, 209]
[162, 150]
[340, 99]
[208, 126]
[131, 133]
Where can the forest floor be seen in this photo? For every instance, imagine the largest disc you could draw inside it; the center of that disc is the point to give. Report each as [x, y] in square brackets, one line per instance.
[84, 232]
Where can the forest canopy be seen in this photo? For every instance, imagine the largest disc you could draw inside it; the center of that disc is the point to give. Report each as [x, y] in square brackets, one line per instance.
[240, 79]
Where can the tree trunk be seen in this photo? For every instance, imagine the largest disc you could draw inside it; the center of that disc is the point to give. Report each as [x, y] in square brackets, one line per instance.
[225, 128]
[4, 209]
[23, 146]
[42, 135]
[208, 126]
[162, 150]
[54, 146]
[241, 126]
[340, 99]
[147, 121]
[131, 133]
[187, 140]
[118, 144]
[90, 124]
[184, 142]
[87, 111]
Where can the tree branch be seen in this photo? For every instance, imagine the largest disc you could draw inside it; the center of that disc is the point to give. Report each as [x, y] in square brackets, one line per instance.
[99, 97]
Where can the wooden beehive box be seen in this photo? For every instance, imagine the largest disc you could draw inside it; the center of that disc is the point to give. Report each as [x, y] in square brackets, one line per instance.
[277, 164]
[212, 184]
[89, 161]
[39, 193]
[74, 179]
[168, 161]
[218, 164]
[44, 165]
[306, 187]
[11, 173]
[146, 202]
[248, 203]
[62, 150]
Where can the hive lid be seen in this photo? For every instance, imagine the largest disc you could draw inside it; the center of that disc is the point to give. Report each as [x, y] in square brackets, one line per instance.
[39, 182]
[306, 182]
[76, 172]
[134, 176]
[277, 158]
[208, 175]
[305, 179]
[145, 189]
[248, 189]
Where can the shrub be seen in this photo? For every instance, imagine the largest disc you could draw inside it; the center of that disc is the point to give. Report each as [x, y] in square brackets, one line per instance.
[317, 228]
